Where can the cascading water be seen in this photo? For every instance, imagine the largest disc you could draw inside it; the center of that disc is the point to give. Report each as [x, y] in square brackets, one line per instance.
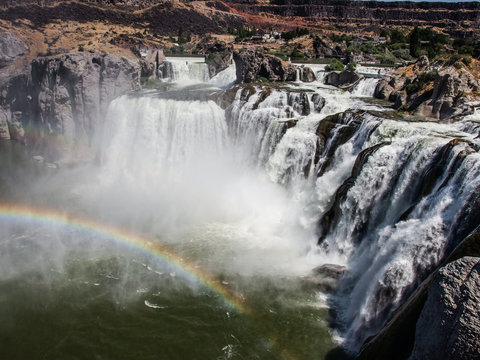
[250, 198]
[190, 70]
[365, 87]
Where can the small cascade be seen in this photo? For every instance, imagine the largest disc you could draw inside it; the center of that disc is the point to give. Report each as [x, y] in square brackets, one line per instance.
[250, 116]
[184, 70]
[225, 78]
[365, 87]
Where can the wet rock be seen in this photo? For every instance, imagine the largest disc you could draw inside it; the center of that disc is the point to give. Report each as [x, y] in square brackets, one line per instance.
[326, 276]
[299, 102]
[306, 74]
[343, 79]
[449, 324]
[11, 47]
[252, 65]
[318, 102]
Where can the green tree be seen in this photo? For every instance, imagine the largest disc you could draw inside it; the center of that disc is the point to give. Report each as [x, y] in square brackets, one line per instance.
[415, 42]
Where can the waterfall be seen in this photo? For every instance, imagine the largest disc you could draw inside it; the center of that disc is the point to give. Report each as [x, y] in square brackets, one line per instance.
[184, 70]
[407, 203]
[388, 199]
[365, 87]
[150, 136]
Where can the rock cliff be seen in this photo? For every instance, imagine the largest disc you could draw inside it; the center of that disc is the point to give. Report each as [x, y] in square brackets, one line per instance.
[449, 325]
[55, 106]
[436, 91]
[251, 65]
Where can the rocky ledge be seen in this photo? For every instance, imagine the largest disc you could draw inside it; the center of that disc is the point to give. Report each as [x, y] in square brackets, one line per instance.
[436, 91]
[252, 65]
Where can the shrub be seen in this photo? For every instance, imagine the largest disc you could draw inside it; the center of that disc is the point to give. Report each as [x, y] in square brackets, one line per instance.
[335, 65]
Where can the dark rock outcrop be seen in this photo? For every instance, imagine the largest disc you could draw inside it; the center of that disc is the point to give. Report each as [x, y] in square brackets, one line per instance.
[219, 57]
[252, 65]
[150, 60]
[354, 15]
[11, 47]
[449, 325]
[434, 91]
[318, 102]
[306, 74]
[323, 50]
[343, 79]
[326, 276]
[397, 339]
[55, 106]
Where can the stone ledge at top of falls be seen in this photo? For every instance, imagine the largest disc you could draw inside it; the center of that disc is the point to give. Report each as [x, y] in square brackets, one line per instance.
[436, 91]
[252, 65]
[58, 101]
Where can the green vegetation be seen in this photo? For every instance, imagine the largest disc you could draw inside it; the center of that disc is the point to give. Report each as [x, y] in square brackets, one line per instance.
[421, 81]
[289, 35]
[335, 65]
[425, 41]
[242, 32]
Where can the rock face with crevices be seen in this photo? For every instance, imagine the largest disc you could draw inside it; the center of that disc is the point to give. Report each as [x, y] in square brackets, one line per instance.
[252, 65]
[57, 104]
[70, 93]
[11, 47]
[449, 325]
[435, 91]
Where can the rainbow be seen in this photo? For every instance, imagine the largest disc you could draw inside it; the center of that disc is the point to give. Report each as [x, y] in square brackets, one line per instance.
[126, 238]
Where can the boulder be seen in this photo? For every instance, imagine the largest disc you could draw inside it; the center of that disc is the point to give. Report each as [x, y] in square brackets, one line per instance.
[449, 324]
[252, 65]
[383, 90]
[343, 79]
[11, 47]
[306, 74]
[318, 102]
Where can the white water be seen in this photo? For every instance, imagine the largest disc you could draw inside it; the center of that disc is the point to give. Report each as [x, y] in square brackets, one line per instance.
[365, 87]
[169, 166]
[235, 183]
[186, 70]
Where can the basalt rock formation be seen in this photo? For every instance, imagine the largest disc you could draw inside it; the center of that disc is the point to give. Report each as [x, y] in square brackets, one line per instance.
[56, 104]
[435, 91]
[343, 79]
[352, 15]
[449, 325]
[219, 57]
[251, 65]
